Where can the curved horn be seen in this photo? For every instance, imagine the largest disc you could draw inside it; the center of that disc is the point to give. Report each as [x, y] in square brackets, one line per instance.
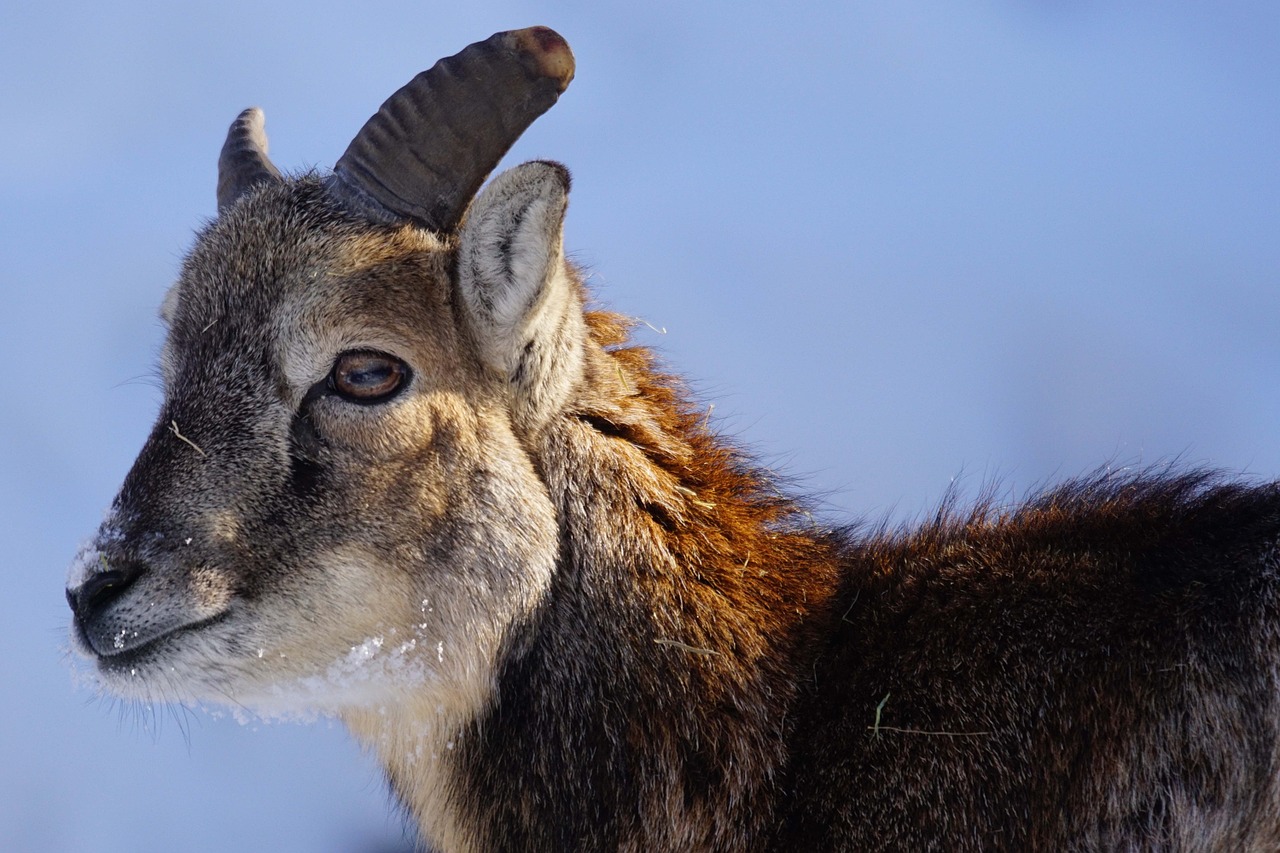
[243, 162]
[428, 149]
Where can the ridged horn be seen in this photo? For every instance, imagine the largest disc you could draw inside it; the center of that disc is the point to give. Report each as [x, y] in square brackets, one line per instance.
[428, 149]
[243, 162]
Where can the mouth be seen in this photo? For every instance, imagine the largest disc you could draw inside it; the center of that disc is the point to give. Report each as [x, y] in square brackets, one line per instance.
[124, 654]
[126, 613]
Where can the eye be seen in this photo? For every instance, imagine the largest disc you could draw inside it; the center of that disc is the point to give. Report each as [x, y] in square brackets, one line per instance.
[364, 376]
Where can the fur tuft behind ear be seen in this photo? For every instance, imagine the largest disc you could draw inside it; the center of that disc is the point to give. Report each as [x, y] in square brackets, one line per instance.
[521, 300]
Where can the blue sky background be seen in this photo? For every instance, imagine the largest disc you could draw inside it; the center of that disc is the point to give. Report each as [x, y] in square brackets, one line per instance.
[897, 244]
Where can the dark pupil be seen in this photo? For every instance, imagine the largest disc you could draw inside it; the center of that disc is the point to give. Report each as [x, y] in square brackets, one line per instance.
[366, 375]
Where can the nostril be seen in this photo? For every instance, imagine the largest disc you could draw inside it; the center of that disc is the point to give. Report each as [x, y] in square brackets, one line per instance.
[101, 589]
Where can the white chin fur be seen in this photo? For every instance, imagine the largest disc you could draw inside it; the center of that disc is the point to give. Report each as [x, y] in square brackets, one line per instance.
[380, 670]
[384, 670]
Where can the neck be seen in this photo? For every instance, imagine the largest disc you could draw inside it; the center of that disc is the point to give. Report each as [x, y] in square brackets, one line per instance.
[644, 702]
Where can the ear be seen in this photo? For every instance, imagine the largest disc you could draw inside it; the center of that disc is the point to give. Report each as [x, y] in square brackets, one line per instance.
[521, 301]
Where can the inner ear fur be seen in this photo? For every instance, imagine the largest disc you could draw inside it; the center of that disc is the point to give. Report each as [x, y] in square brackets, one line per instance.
[521, 300]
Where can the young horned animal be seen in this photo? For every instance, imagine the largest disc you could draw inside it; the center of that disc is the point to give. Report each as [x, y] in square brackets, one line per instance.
[400, 475]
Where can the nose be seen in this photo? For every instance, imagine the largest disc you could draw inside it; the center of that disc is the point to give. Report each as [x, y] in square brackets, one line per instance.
[100, 589]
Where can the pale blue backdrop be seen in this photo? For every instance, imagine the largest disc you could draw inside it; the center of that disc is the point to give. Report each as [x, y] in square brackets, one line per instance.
[897, 244]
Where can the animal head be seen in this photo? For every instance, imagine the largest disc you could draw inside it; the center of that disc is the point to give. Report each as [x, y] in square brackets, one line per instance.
[336, 501]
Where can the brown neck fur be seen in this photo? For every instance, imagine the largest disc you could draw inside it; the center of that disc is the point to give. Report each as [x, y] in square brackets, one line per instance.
[643, 704]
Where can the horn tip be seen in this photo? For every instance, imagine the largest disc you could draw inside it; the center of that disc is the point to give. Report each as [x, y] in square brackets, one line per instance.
[546, 51]
[252, 123]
